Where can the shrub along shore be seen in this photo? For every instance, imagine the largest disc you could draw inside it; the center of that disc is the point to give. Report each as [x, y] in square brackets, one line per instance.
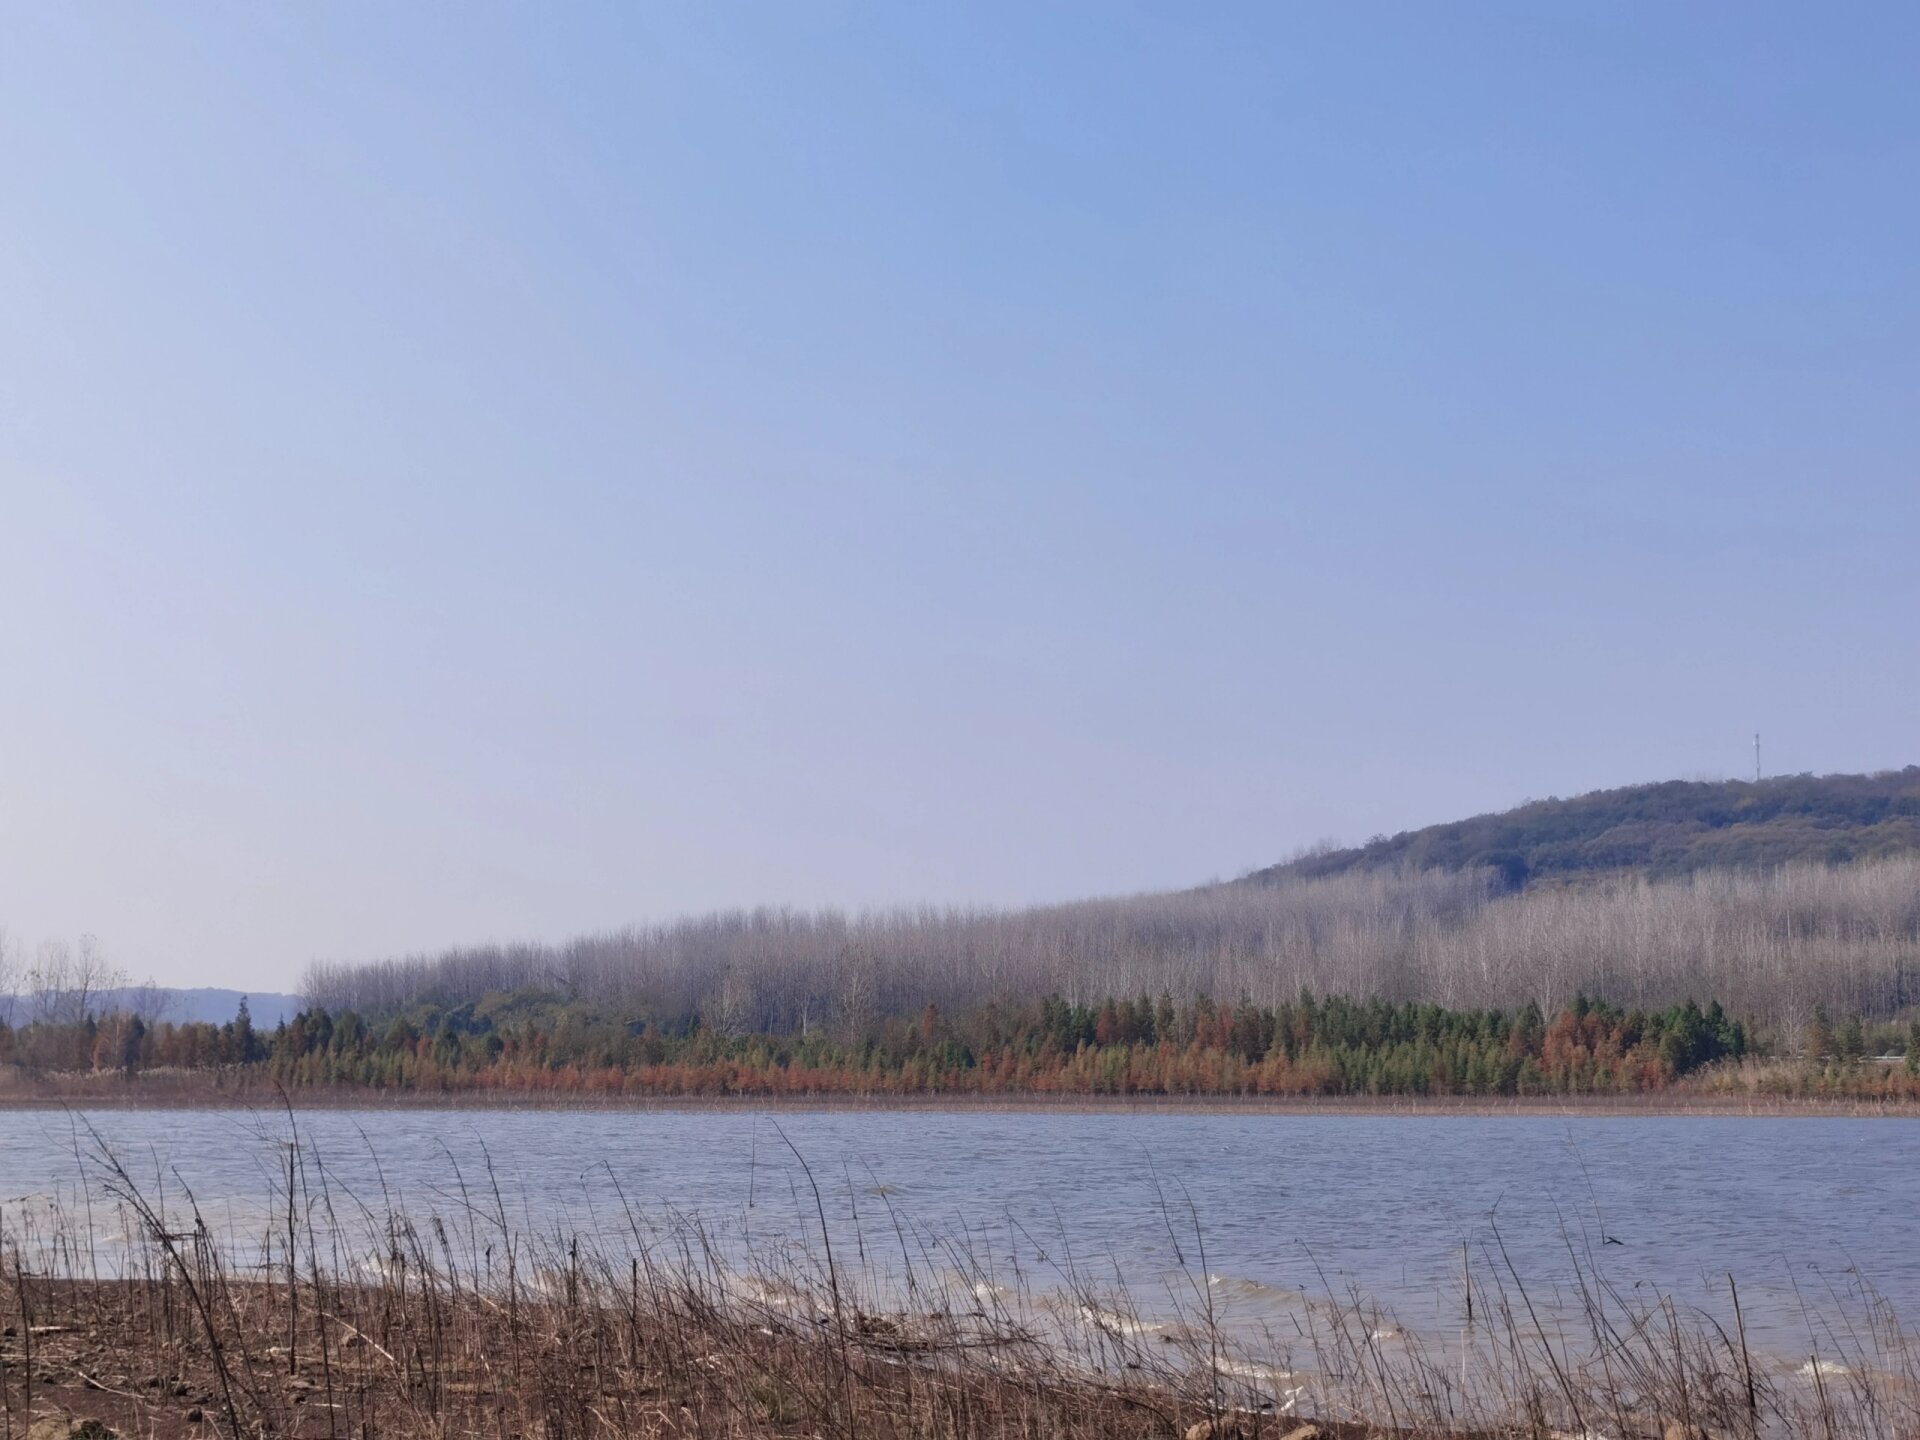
[533, 1045]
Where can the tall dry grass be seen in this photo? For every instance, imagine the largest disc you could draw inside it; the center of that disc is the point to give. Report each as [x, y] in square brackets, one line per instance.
[350, 1316]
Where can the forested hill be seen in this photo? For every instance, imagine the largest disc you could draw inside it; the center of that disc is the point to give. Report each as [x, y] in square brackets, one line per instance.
[1665, 829]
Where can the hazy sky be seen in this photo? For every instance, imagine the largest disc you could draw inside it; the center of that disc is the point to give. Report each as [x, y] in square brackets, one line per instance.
[483, 471]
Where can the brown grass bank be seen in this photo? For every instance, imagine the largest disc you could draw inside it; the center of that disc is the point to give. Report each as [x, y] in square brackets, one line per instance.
[243, 1088]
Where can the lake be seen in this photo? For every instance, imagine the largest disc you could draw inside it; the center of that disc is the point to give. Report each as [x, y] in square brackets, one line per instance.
[1814, 1216]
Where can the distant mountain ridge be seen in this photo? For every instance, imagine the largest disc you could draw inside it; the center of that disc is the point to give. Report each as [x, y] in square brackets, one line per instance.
[208, 1004]
[266, 1007]
[1668, 828]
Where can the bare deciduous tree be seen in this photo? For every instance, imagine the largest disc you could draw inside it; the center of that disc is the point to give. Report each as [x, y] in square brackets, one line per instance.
[65, 983]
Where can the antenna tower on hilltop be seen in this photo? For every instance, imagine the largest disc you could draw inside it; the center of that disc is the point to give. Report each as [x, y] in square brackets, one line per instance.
[1756, 757]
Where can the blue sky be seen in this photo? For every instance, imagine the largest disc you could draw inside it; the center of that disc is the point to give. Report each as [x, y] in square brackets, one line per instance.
[499, 471]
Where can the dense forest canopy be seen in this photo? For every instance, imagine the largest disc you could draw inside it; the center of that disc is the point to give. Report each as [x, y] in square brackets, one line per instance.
[1666, 829]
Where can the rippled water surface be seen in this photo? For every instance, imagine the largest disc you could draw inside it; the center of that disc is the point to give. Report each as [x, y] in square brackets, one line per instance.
[1801, 1211]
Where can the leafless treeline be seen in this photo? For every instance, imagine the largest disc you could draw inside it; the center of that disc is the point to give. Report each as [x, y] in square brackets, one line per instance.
[1766, 945]
[62, 984]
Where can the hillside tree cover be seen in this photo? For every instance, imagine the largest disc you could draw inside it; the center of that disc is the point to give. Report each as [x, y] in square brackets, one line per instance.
[1387, 974]
[1670, 828]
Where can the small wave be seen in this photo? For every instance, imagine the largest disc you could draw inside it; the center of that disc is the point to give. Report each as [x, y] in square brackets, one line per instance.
[1114, 1323]
[775, 1293]
[1246, 1289]
[1254, 1370]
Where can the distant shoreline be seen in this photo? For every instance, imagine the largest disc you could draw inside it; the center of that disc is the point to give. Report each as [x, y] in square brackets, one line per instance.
[1589, 1107]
